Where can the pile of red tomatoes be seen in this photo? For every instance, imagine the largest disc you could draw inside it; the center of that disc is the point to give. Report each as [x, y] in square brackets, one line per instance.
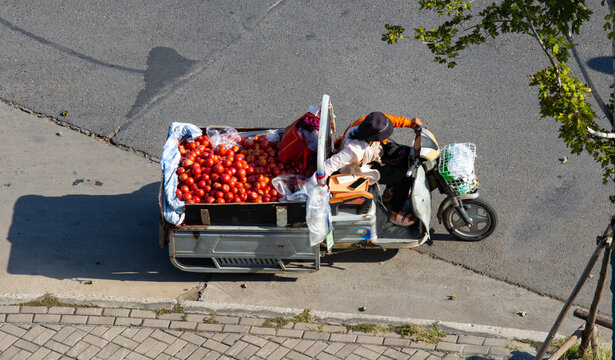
[238, 174]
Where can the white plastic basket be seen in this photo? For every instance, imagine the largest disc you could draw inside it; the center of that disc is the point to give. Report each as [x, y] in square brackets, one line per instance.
[456, 165]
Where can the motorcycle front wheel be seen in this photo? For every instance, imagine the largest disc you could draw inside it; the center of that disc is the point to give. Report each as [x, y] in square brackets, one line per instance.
[484, 220]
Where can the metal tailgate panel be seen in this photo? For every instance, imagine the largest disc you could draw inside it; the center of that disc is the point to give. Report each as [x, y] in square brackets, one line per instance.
[245, 249]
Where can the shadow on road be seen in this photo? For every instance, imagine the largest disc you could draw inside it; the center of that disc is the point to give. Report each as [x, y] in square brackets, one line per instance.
[604, 64]
[164, 68]
[91, 236]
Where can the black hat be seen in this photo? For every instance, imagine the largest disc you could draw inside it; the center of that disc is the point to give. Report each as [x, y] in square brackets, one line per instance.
[375, 127]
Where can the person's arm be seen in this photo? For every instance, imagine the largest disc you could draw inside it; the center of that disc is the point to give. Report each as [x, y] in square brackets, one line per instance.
[402, 121]
[351, 153]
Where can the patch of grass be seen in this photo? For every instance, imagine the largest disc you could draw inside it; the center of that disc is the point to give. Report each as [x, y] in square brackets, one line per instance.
[176, 309]
[276, 323]
[533, 343]
[304, 317]
[574, 352]
[513, 347]
[368, 328]
[211, 319]
[431, 334]
[48, 301]
[279, 322]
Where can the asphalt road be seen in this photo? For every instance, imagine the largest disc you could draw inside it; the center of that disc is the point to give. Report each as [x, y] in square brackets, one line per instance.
[125, 71]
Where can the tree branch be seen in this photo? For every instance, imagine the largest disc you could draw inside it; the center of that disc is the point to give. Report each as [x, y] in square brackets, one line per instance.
[542, 45]
[601, 134]
[603, 107]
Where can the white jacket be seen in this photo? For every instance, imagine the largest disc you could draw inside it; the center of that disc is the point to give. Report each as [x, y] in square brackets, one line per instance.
[354, 158]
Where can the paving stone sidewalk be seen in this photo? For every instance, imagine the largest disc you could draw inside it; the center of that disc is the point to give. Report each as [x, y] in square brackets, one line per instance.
[77, 332]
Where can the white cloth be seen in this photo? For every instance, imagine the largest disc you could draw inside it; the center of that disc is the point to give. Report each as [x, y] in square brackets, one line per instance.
[173, 208]
[354, 158]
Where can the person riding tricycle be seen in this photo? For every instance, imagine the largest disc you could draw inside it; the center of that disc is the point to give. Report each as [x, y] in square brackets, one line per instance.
[365, 149]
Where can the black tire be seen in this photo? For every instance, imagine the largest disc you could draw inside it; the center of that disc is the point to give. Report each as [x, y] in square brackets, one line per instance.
[482, 214]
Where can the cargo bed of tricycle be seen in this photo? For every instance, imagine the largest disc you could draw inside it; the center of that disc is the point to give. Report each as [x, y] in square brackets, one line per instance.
[246, 237]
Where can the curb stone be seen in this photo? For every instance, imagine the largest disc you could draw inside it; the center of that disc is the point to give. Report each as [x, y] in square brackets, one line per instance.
[128, 322]
[331, 318]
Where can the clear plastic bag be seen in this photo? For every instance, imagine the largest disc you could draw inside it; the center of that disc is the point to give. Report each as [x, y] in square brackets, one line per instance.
[318, 214]
[226, 136]
[272, 135]
[286, 184]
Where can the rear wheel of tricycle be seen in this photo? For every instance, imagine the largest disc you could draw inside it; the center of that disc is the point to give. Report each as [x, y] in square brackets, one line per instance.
[484, 220]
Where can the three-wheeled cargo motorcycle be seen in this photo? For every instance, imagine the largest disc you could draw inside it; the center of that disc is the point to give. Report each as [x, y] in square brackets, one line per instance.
[275, 237]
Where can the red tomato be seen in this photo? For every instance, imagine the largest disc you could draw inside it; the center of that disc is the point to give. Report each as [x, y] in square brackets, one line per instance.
[237, 199]
[250, 170]
[220, 201]
[196, 199]
[226, 188]
[266, 198]
[184, 188]
[210, 199]
[188, 162]
[199, 192]
[183, 177]
[189, 181]
[191, 145]
[187, 196]
[219, 194]
[207, 188]
[221, 150]
[219, 168]
[180, 170]
[243, 197]
[235, 149]
[248, 143]
[273, 193]
[225, 178]
[228, 197]
[230, 153]
[253, 195]
[217, 186]
[196, 170]
[214, 177]
[209, 162]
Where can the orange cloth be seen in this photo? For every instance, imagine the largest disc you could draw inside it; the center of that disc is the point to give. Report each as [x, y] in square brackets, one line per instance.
[398, 121]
